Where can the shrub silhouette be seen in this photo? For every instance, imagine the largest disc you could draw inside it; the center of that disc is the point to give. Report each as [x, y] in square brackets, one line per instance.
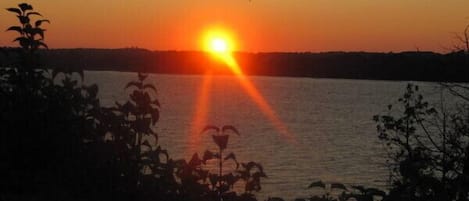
[45, 122]
[428, 149]
[59, 143]
[339, 192]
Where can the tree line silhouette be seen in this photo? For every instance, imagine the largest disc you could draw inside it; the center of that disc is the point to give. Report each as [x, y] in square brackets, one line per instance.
[421, 66]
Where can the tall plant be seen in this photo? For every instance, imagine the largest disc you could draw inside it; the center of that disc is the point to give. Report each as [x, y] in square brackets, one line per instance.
[44, 121]
[428, 149]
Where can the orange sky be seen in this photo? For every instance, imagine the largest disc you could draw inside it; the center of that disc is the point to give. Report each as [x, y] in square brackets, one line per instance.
[259, 25]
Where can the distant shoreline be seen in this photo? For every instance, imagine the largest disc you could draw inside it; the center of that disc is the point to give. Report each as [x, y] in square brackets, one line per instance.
[403, 66]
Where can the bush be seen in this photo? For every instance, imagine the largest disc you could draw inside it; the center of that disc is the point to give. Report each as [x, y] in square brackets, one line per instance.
[59, 143]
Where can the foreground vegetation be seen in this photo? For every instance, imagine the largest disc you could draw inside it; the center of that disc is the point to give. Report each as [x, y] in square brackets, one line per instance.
[59, 143]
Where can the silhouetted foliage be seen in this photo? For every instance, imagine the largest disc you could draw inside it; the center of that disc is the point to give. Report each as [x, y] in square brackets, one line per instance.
[45, 121]
[340, 192]
[59, 143]
[428, 149]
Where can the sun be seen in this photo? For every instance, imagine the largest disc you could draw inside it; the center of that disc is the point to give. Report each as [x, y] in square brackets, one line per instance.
[219, 45]
[219, 42]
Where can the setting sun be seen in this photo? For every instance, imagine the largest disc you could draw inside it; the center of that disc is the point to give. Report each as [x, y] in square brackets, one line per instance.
[218, 41]
[219, 45]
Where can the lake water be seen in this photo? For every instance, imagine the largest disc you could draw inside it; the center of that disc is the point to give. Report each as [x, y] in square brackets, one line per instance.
[331, 120]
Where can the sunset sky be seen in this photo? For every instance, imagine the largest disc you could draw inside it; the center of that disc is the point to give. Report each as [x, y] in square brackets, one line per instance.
[257, 25]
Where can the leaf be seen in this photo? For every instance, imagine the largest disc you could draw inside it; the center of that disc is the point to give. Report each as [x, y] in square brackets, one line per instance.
[150, 86]
[142, 76]
[39, 22]
[33, 13]
[156, 102]
[79, 71]
[338, 186]
[374, 191]
[155, 116]
[25, 7]
[163, 152]
[195, 161]
[221, 141]
[208, 155]
[47, 47]
[23, 19]
[93, 90]
[210, 127]
[232, 157]
[230, 179]
[213, 179]
[360, 188]
[15, 28]
[133, 83]
[146, 143]
[317, 184]
[56, 71]
[229, 127]
[24, 42]
[39, 31]
[14, 10]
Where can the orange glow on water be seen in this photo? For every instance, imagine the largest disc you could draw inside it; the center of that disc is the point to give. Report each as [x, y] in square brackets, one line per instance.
[200, 114]
[260, 101]
[222, 50]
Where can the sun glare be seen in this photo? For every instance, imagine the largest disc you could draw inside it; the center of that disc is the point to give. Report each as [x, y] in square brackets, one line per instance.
[218, 42]
[219, 45]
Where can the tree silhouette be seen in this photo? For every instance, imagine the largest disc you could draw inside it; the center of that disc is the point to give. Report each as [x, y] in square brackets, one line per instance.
[428, 149]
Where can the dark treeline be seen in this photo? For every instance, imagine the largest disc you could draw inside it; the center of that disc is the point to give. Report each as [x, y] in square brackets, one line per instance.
[422, 66]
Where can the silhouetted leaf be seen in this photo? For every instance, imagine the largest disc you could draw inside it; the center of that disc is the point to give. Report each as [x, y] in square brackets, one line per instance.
[25, 7]
[56, 71]
[230, 179]
[208, 155]
[16, 28]
[93, 90]
[338, 186]
[375, 191]
[33, 13]
[213, 179]
[232, 157]
[229, 127]
[221, 141]
[39, 22]
[149, 86]
[142, 76]
[156, 102]
[147, 144]
[79, 71]
[317, 184]
[23, 19]
[136, 84]
[155, 116]
[39, 31]
[210, 127]
[15, 10]
[195, 161]
[360, 188]
[24, 42]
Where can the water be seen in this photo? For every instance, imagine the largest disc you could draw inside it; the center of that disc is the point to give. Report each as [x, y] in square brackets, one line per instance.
[331, 120]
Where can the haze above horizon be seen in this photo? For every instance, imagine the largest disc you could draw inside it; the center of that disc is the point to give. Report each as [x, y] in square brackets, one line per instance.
[257, 25]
